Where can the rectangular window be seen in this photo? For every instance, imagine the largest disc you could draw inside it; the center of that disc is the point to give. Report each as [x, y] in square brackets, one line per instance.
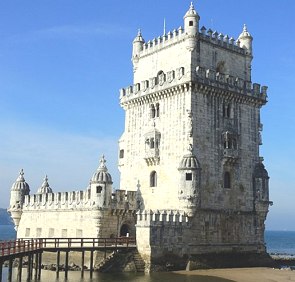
[51, 232]
[191, 23]
[28, 231]
[121, 154]
[38, 232]
[64, 233]
[79, 233]
[188, 177]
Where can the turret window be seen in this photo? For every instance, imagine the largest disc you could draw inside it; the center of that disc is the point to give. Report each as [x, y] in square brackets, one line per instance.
[191, 23]
[153, 179]
[98, 189]
[188, 177]
[227, 180]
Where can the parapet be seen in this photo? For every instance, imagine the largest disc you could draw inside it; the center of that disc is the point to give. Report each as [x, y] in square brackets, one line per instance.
[162, 81]
[221, 40]
[123, 200]
[179, 35]
[60, 200]
[120, 199]
[163, 41]
[176, 78]
[230, 83]
[166, 217]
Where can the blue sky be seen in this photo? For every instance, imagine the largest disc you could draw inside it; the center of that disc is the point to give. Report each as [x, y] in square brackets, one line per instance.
[63, 62]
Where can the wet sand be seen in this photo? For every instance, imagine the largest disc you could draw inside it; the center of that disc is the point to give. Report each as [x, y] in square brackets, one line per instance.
[259, 274]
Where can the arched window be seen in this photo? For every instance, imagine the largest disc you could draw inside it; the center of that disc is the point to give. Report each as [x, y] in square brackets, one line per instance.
[98, 189]
[157, 110]
[152, 143]
[153, 111]
[153, 179]
[227, 180]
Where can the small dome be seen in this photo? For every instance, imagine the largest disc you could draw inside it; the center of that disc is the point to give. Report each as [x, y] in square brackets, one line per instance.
[139, 37]
[101, 175]
[245, 33]
[191, 12]
[20, 184]
[45, 188]
[260, 171]
[189, 162]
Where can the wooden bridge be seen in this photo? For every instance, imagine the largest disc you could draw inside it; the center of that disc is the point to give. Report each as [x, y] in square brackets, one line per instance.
[33, 249]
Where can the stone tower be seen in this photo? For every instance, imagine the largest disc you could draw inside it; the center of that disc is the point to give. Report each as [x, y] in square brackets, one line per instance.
[191, 144]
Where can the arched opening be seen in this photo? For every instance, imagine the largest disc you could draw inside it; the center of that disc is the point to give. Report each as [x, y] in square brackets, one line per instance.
[153, 179]
[157, 110]
[124, 230]
[153, 111]
[98, 189]
[227, 180]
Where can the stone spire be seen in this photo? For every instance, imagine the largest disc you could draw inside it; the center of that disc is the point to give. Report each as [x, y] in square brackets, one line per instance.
[45, 188]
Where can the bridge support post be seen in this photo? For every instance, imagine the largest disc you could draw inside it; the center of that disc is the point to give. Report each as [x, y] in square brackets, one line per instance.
[57, 263]
[10, 270]
[67, 265]
[31, 265]
[36, 266]
[91, 264]
[82, 264]
[1, 266]
[39, 265]
[19, 269]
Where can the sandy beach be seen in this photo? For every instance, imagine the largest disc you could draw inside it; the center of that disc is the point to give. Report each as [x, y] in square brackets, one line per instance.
[259, 274]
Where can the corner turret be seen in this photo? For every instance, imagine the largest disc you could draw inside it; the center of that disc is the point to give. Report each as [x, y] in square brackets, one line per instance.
[101, 185]
[137, 48]
[246, 40]
[191, 26]
[19, 189]
[190, 181]
[191, 21]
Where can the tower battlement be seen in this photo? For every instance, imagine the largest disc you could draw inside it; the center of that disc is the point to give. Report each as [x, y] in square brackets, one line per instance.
[166, 217]
[178, 35]
[120, 199]
[165, 82]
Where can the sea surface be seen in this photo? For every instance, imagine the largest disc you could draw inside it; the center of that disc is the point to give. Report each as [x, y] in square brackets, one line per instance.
[277, 242]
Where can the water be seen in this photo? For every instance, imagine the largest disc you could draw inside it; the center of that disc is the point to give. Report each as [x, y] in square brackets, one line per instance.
[278, 242]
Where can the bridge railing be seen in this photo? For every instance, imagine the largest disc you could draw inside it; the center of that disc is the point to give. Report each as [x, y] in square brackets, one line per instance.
[87, 242]
[19, 246]
[27, 245]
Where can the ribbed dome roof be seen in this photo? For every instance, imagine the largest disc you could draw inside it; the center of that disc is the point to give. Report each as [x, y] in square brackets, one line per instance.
[191, 11]
[139, 37]
[189, 162]
[102, 175]
[45, 188]
[245, 33]
[20, 184]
